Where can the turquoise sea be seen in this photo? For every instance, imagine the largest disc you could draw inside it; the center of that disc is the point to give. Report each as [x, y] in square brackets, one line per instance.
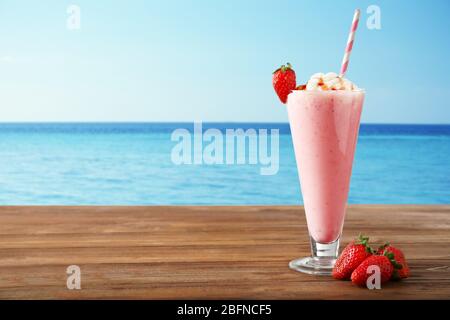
[130, 164]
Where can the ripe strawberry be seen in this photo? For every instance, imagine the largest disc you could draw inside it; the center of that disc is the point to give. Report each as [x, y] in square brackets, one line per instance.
[360, 275]
[351, 257]
[283, 81]
[399, 257]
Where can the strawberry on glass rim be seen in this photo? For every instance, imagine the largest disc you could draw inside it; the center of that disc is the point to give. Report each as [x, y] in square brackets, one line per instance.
[284, 81]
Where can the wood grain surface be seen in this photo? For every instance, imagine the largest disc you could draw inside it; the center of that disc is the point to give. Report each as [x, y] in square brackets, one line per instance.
[199, 252]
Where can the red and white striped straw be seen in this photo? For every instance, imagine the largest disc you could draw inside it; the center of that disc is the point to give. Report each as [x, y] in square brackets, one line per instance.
[348, 48]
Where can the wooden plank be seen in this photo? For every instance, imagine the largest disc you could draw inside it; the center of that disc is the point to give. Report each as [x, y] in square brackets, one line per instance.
[200, 252]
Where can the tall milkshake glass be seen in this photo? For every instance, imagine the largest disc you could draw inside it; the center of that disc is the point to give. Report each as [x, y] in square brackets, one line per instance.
[324, 127]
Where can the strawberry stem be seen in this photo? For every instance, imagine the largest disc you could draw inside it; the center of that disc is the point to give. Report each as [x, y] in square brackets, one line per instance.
[284, 68]
[364, 240]
[391, 258]
[381, 248]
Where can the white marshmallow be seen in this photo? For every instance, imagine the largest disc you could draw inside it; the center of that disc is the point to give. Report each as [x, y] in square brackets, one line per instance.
[330, 76]
[313, 84]
[334, 83]
[347, 84]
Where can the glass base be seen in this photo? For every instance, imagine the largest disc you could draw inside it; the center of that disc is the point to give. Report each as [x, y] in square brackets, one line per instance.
[312, 265]
[321, 262]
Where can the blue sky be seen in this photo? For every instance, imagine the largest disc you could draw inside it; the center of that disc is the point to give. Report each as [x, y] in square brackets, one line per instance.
[212, 60]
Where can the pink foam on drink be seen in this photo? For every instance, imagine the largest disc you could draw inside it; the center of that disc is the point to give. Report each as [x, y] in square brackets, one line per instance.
[324, 127]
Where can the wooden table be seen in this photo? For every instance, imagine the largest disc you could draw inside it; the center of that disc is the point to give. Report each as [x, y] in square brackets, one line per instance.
[206, 252]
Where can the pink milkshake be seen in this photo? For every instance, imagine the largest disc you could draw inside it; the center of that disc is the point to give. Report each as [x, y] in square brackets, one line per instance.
[324, 120]
[324, 128]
